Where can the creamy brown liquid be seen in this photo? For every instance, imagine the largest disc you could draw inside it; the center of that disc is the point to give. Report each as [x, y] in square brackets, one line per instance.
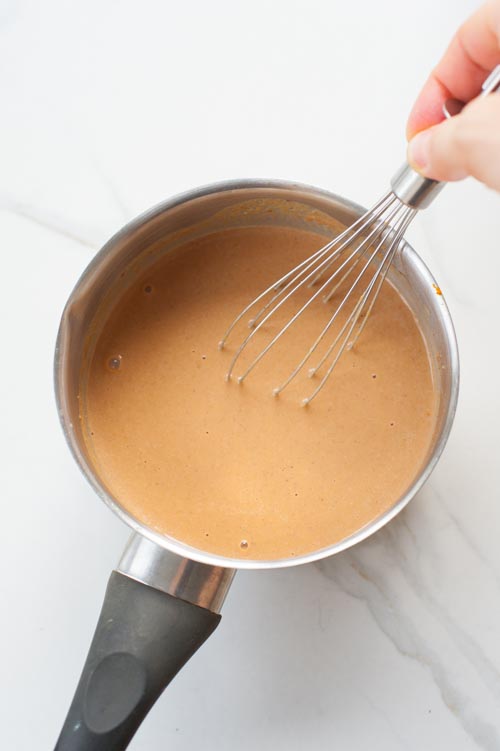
[228, 468]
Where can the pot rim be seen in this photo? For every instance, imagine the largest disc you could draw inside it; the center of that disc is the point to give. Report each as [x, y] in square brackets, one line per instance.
[176, 546]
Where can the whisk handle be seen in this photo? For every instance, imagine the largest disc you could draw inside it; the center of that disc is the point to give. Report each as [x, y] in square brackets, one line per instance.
[412, 188]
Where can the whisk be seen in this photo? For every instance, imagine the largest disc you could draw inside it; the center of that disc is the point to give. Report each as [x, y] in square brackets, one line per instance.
[360, 257]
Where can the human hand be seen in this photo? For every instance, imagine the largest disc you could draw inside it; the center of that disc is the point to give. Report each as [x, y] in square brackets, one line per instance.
[469, 143]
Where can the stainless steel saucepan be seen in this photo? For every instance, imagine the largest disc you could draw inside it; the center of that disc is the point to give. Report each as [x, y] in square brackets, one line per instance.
[164, 598]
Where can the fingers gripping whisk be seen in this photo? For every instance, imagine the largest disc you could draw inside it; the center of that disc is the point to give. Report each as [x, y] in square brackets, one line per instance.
[355, 262]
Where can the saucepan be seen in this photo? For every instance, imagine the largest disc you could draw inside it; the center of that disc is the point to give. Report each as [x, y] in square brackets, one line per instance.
[164, 598]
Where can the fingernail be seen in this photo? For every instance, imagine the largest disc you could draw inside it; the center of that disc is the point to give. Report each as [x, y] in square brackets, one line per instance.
[419, 150]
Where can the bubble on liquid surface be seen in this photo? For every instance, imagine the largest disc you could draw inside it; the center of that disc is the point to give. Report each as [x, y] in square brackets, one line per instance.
[114, 363]
[244, 544]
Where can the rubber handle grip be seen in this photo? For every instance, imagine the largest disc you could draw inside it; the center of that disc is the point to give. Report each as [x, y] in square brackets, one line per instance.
[142, 640]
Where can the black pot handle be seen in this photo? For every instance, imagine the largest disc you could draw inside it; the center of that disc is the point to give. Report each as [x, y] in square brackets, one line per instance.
[143, 638]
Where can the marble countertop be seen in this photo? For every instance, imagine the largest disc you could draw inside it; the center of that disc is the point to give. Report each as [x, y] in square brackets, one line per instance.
[110, 107]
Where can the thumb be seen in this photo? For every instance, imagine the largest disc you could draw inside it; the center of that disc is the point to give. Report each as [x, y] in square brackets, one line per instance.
[467, 144]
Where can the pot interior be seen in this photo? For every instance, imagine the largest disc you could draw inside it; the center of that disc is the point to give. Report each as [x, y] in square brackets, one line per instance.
[167, 228]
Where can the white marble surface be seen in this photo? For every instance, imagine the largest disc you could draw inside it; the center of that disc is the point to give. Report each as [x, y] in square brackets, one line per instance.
[109, 107]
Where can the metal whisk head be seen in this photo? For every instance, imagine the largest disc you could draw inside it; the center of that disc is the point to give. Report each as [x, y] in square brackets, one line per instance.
[359, 257]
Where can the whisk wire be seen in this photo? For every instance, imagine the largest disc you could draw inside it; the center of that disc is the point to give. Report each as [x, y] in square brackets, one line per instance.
[386, 262]
[315, 259]
[364, 297]
[304, 307]
[361, 255]
[309, 262]
[381, 280]
[366, 220]
[383, 230]
[361, 243]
